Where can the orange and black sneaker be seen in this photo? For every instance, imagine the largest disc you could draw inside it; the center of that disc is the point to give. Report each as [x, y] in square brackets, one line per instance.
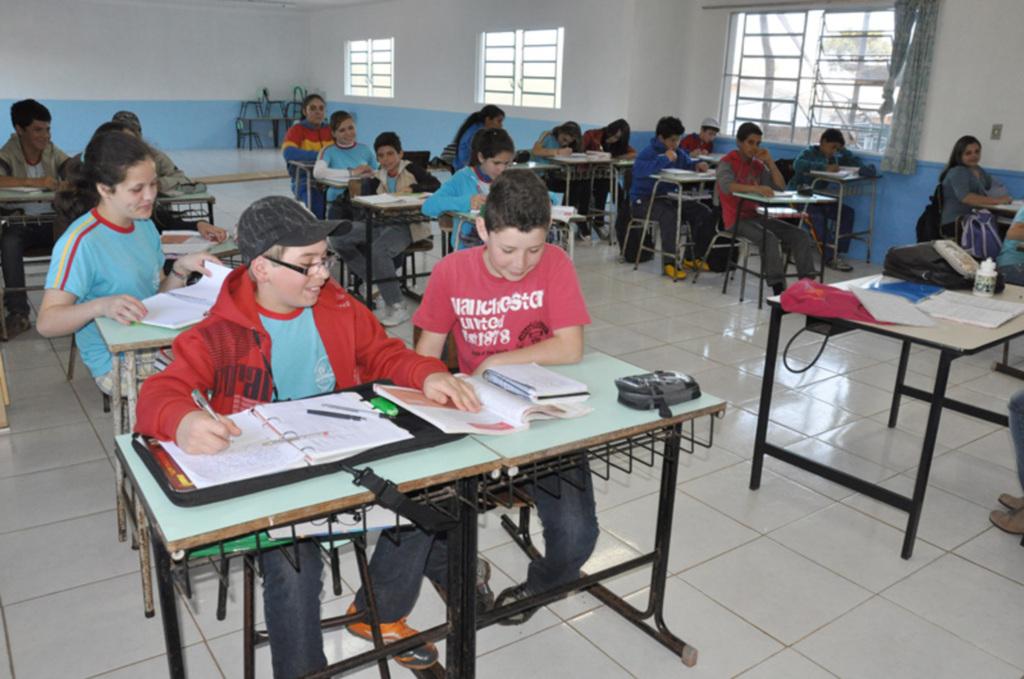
[418, 658]
[671, 272]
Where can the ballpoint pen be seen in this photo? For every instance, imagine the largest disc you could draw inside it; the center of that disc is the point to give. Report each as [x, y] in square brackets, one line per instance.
[340, 416]
[201, 401]
[355, 411]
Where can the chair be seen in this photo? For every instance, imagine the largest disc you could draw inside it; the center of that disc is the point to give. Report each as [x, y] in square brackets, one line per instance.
[293, 108]
[681, 244]
[39, 255]
[269, 104]
[244, 131]
[420, 158]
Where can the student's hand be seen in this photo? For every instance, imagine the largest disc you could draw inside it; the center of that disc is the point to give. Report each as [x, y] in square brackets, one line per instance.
[671, 155]
[124, 309]
[564, 151]
[444, 387]
[695, 154]
[832, 168]
[195, 262]
[701, 167]
[48, 183]
[477, 200]
[200, 434]
[211, 232]
[765, 191]
[407, 189]
[764, 155]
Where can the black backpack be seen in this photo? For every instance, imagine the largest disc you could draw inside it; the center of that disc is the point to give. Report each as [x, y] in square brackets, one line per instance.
[929, 226]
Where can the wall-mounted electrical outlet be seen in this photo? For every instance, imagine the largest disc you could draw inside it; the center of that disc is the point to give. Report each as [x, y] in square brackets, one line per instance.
[997, 131]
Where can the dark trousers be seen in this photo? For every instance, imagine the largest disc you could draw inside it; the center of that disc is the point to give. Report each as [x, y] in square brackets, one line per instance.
[16, 239]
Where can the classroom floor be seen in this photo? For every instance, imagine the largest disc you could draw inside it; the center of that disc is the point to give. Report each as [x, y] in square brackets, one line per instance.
[800, 579]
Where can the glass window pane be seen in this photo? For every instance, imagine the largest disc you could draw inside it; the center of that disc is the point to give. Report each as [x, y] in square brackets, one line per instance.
[498, 84]
[543, 37]
[358, 58]
[500, 54]
[382, 44]
[505, 38]
[382, 69]
[357, 46]
[498, 98]
[538, 86]
[497, 69]
[539, 70]
[792, 22]
[359, 69]
[778, 45]
[540, 53]
[540, 101]
[359, 91]
[381, 81]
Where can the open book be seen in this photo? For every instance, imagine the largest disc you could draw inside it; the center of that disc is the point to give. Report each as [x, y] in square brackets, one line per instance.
[410, 199]
[283, 435]
[178, 243]
[970, 309]
[502, 412]
[177, 308]
[537, 383]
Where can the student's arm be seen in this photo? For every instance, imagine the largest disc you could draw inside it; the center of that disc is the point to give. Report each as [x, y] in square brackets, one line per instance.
[806, 162]
[430, 343]
[959, 180]
[183, 266]
[777, 182]
[292, 146]
[541, 152]
[454, 195]
[45, 183]
[726, 180]
[565, 347]
[628, 155]
[848, 158]
[323, 171]
[1016, 231]
[59, 315]
[424, 180]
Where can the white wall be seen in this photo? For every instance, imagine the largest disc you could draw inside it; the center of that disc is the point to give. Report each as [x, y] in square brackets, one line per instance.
[120, 50]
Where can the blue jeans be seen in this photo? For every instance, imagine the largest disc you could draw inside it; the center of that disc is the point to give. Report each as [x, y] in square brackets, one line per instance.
[821, 215]
[566, 511]
[291, 603]
[1017, 431]
[390, 241]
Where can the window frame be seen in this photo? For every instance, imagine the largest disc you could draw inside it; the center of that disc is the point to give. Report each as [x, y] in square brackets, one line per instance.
[519, 55]
[372, 48]
[818, 96]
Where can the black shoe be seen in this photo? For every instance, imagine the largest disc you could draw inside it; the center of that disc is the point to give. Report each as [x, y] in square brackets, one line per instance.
[16, 324]
[778, 288]
[510, 596]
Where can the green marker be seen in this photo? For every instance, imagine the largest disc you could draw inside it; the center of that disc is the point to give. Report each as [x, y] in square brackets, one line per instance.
[385, 406]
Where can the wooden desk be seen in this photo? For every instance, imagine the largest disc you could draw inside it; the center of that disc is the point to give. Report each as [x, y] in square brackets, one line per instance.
[829, 184]
[952, 340]
[177, 529]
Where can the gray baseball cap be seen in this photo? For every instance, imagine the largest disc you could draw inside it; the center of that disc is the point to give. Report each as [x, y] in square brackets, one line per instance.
[710, 122]
[128, 118]
[279, 220]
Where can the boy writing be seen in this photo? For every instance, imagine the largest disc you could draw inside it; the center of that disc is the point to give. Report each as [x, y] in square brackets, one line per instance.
[750, 169]
[703, 142]
[516, 299]
[660, 154]
[283, 329]
[829, 155]
[395, 175]
[28, 159]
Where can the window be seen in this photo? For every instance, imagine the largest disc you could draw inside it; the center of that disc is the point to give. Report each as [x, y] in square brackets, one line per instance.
[369, 68]
[521, 68]
[797, 73]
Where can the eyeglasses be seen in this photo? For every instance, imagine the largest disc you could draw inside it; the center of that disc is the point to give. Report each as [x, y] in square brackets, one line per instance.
[310, 270]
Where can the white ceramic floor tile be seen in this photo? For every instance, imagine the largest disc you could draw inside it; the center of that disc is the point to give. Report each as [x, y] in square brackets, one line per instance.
[996, 448]
[675, 328]
[698, 533]
[559, 652]
[807, 415]
[955, 429]
[618, 340]
[56, 495]
[735, 432]
[969, 601]
[972, 479]
[730, 384]
[997, 551]
[670, 357]
[777, 502]
[71, 622]
[894, 449]
[775, 589]
[49, 448]
[857, 397]
[880, 639]
[723, 349]
[5, 660]
[820, 451]
[199, 662]
[855, 546]
[789, 664]
[725, 643]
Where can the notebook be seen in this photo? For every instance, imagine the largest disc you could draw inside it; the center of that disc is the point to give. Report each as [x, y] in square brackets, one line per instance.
[182, 307]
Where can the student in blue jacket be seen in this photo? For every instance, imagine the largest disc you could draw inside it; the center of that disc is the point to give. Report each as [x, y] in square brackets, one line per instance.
[828, 156]
[468, 188]
[662, 153]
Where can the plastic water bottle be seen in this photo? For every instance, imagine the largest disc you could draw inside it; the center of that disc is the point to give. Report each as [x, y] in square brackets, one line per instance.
[985, 279]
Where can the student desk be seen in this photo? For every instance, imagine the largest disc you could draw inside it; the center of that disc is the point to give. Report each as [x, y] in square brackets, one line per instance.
[840, 185]
[535, 165]
[579, 167]
[563, 227]
[304, 173]
[612, 437]
[766, 203]
[679, 179]
[177, 529]
[403, 210]
[1004, 213]
[952, 340]
[197, 206]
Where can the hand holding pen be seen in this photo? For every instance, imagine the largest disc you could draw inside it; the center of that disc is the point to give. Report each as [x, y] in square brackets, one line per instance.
[203, 431]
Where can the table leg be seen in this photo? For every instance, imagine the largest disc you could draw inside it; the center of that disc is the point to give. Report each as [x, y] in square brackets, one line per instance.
[927, 450]
[133, 391]
[142, 535]
[169, 612]
[897, 390]
[462, 547]
[767, 384]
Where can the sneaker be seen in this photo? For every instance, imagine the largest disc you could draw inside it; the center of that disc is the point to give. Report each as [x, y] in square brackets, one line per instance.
[602, 231]
[671, 272]
[1010, 501]
[840, 265]
[395, 314]
[703, 266]
[16, 324]
[512, 595]
[484, 593]
[418, 658]
[1011, 521]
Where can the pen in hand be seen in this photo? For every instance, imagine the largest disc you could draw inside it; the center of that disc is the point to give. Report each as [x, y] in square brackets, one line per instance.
[203, 404]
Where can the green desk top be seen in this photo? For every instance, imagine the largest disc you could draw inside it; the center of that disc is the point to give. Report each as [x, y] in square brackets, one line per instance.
[133, 337]
[785, 198]
[185, 527]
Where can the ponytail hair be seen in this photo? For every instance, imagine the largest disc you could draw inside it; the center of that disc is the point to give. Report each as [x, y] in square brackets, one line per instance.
[489, 143]
[106, 161]
[489, 111]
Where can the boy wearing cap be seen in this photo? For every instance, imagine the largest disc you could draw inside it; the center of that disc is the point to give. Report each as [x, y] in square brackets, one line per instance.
[171, 177]
[283, 329]
[700, 143]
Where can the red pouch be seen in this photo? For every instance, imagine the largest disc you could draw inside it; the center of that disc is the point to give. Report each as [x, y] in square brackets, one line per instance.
[824, 301]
